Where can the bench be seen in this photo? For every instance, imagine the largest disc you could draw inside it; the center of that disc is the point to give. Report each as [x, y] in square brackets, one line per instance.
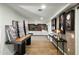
[21, 44]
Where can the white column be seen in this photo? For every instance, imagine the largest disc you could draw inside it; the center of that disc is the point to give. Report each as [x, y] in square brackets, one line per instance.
[76, 31]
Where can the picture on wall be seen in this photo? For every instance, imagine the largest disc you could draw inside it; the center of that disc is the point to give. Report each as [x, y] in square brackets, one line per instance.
[62, 23]
[70, 20]
[15, 25]
[38, 27]
[53, 24]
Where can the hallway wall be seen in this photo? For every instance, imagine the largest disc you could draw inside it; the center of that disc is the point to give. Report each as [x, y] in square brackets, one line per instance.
[77, 31]
[6, 16]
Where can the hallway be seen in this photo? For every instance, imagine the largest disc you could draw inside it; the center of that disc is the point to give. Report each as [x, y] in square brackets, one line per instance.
[50, 23]
[40, 45]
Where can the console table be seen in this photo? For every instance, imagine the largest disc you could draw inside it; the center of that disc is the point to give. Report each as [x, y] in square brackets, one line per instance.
[57, 41]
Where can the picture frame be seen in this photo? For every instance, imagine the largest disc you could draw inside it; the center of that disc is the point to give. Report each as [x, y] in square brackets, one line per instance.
[70, 16]
[15, 25]
[62, 23]
[37, 27]
[53, 24]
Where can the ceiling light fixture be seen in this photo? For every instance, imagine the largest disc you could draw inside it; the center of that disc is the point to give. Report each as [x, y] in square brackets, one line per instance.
[43, 6]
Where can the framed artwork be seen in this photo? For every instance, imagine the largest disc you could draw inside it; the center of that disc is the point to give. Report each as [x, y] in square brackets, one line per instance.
[21, 28]
[38, 27]
[53, 24]
[24, 26]
[15, 25]
[70, 20]
[34, 27]
[62, 23]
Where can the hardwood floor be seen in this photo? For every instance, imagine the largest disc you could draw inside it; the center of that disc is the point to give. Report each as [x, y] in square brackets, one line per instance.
[40, 45]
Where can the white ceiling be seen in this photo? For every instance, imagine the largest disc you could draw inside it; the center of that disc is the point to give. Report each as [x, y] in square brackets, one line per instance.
[30, 10]
[46, 13]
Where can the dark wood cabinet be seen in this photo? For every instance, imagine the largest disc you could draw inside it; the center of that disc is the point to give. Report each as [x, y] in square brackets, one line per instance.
[70, 32]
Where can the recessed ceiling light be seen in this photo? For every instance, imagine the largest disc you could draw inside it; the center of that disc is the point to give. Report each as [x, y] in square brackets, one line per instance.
[43, 6]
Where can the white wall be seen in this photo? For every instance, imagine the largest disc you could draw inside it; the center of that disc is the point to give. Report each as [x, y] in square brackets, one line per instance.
[49, 27]
[77, 31]
[57, 24]
[6, 16]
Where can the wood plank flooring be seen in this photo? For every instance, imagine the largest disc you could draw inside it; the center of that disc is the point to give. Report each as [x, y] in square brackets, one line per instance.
[40, 45]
